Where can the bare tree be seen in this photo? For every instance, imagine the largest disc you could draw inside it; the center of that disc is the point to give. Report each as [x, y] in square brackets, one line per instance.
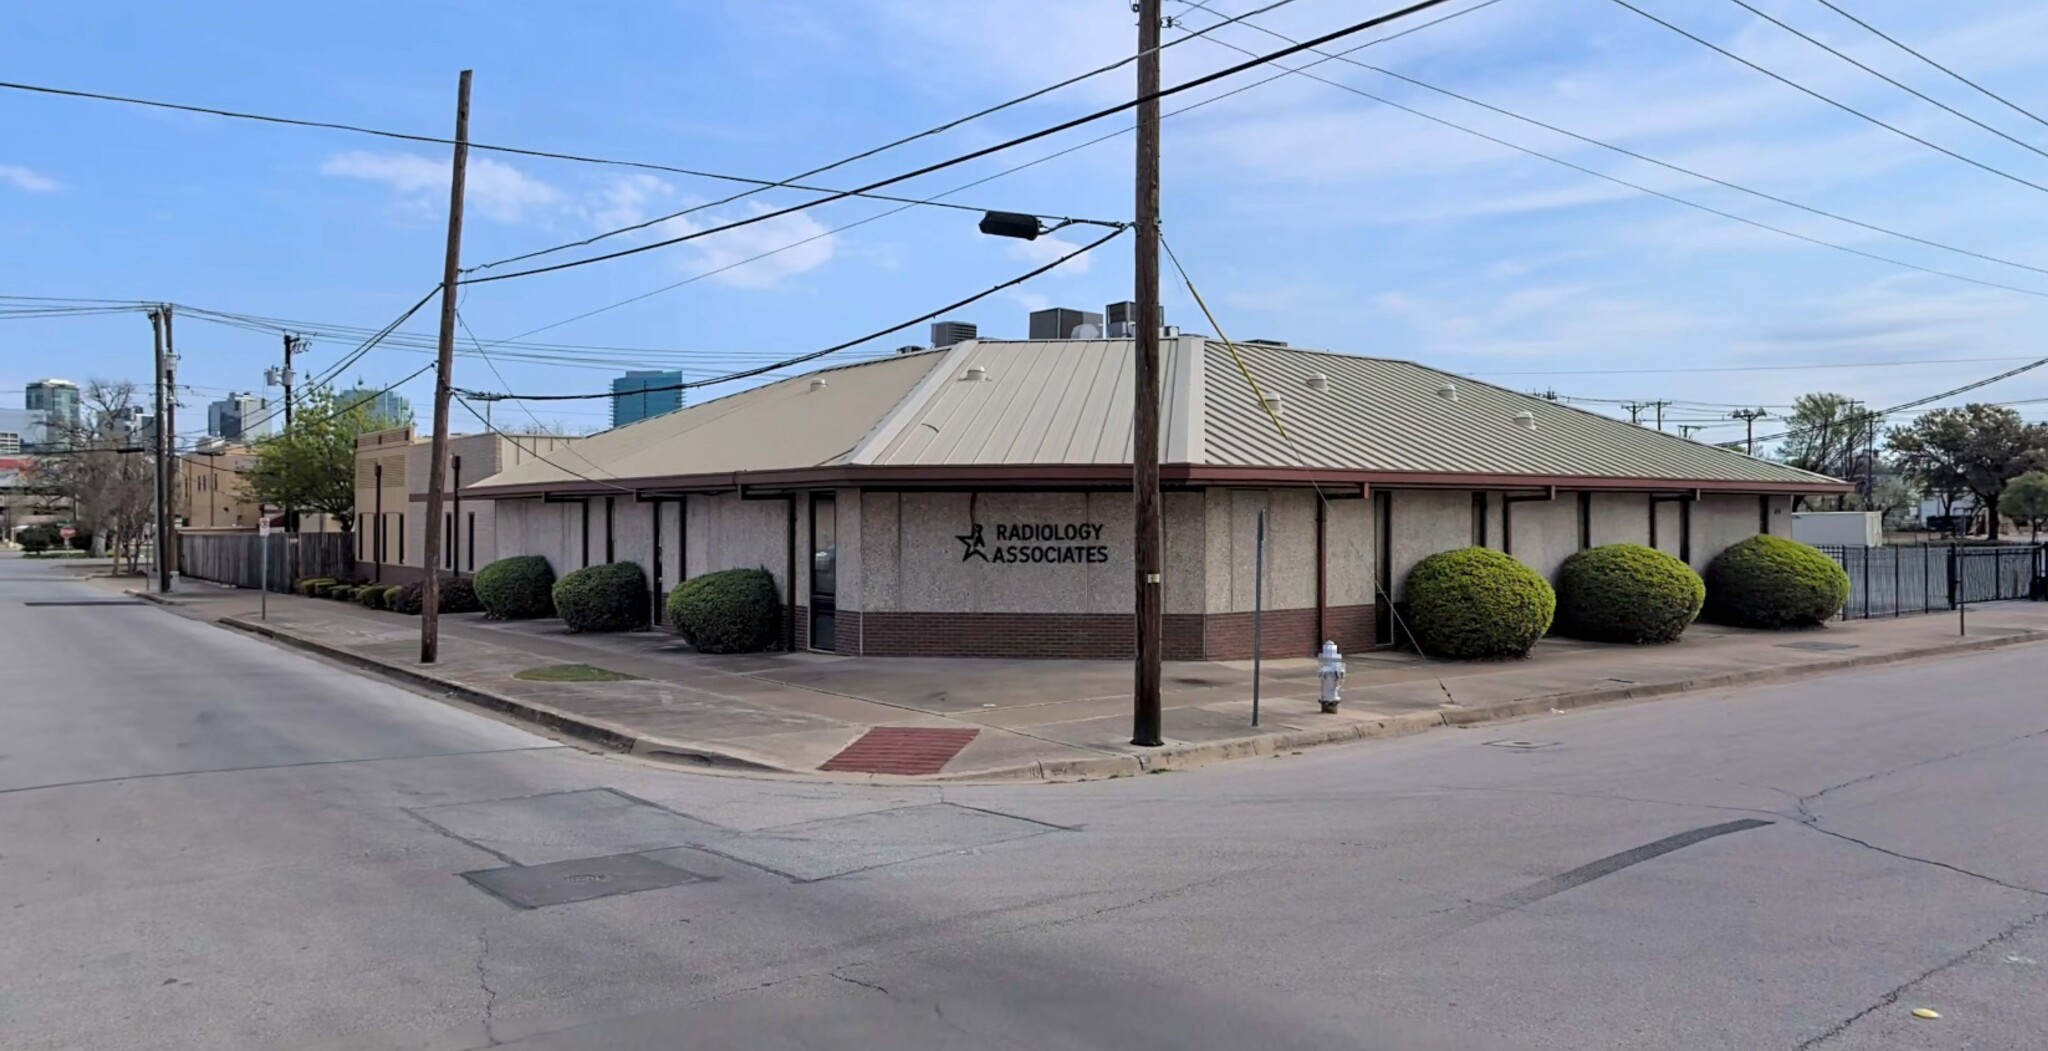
[103, 467]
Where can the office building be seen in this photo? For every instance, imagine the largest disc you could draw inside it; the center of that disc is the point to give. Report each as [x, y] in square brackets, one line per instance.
[239, 417]
[57, 400]
[385, 407]
[639, 395]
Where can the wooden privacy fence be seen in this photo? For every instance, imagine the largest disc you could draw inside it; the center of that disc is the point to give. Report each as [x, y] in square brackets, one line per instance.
[237, 558]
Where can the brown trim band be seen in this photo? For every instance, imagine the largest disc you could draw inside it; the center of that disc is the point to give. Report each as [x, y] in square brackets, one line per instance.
[1114, 476]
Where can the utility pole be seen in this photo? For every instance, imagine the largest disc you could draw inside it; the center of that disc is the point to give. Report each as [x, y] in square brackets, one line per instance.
[1146, 544]
[1635, 411]
[167, 427]
[1687, 430]
[1659, 406]
[437, 476]
[163, 471]
[1749, 417]
[291, 343]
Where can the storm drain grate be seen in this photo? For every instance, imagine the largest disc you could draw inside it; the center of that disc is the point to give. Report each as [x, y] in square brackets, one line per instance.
[1522, 746]
[900, 750]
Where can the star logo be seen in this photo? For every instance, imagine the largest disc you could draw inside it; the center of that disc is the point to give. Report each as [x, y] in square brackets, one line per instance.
[976, 546]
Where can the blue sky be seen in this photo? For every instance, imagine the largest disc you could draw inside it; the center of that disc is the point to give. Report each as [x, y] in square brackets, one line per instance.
[1307, 213]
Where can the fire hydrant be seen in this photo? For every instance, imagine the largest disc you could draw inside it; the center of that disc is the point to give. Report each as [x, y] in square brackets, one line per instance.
[1331, 671]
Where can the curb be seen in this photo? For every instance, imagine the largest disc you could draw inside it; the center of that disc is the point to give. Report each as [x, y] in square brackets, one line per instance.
[150, 596]
[1173, 757]
[595, 731]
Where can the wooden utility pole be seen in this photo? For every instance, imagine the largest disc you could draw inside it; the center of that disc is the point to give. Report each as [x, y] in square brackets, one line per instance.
[437, 470]
[167, 426]
[1146, 545]
[1749, 418]
[163, 470]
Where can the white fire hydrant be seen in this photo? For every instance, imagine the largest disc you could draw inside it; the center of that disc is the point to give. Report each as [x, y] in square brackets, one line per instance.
[1331, 671]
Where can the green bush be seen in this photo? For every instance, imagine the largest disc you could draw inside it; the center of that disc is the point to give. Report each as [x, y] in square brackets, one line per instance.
[731, 611]
[458, 595]
[32, 542]
[1477, 603]
[343, 592]
[1772, 582]
[517, 588]
[370, 596]
[1627, 593]
[305, 587]
[322, 587]
[405, 598]
[610, 597]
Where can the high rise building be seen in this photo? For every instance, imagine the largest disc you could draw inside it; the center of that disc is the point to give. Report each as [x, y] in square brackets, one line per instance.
[638, 395]
[57, 400]
[239, 417]
[20, 430]
[388, 408]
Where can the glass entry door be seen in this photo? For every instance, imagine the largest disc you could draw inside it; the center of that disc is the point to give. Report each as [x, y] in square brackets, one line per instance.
[824, 571]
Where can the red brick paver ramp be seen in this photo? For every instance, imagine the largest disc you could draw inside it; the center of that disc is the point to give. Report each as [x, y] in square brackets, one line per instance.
[900, 750]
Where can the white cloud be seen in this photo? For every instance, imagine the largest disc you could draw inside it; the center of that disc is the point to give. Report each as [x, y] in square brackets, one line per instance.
[1048, 248]
[798, 242]
[494, 189]
[627, 201]
[27, 180]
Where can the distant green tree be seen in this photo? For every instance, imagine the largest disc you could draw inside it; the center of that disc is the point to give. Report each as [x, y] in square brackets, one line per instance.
[1975, 448]
[2026, 500]
[311, 465]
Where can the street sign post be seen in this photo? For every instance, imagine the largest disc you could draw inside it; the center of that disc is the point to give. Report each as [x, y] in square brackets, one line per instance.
[67, 532]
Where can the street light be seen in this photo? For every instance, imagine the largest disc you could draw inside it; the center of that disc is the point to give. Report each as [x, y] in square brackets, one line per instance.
[1012, 224]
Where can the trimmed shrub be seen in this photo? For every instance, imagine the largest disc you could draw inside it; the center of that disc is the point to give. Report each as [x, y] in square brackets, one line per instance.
[322, 587]
[1477, 603]
[1772, 582]
[405, 598]
[305, 587]
[1627, 593]
[458, 595]
[731, 611]
[343, 592]
[610, 597]
[517, 588]
[370, 597]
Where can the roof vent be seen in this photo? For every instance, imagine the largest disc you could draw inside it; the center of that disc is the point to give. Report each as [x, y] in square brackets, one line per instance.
[1274, 405]
[817, 383]
[976, 374]
[1525, 420]
[911, 348]
[1318, 382]
[1449, 392]
[1267, 342]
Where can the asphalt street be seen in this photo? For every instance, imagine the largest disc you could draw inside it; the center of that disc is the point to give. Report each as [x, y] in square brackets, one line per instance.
[208, 841]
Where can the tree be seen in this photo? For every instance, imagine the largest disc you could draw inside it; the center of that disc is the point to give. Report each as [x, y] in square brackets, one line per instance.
[2026, 499]
[1976, 449]
[102, 466]
[1824, 433]
[311, 465]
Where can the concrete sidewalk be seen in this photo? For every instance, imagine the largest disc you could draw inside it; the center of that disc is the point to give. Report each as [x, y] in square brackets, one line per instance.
[1046, 719]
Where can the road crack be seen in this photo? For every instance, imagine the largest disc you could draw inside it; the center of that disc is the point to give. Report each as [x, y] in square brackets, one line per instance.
[1892, 997]
[483, 981]
[856, 981]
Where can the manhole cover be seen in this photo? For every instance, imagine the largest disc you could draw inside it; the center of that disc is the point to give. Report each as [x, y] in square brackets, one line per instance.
[900, 750]
[1522, 746]
[586, 877]
[1817, 646]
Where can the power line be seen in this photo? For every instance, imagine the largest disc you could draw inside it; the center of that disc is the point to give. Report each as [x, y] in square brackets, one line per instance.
[1918, 402]
[1844, 107]
[1357, 27]
[758, 184]
[1742, 368]
[864, 154]
[1624, 151]
[1895, 42]
[1909, 89]
[834, 349]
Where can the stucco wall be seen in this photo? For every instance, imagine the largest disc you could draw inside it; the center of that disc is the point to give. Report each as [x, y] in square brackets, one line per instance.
[727, 532]
[534, 527]
[1427, 521]
[913, 557]
[1231, 521]
[1347, 533]
[1670, 526]
[1720, 520]
[1781, 516]
[1621, 518]
[1546, 532]
[848, 589]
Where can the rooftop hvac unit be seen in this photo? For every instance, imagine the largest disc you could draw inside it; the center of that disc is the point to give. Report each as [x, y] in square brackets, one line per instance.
[1062, 323]
[947, 333]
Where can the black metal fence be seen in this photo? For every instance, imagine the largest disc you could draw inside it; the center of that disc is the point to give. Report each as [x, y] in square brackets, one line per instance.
[1894, 581]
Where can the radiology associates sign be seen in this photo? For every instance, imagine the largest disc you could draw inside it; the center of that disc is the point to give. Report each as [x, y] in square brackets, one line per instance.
[1031, 542]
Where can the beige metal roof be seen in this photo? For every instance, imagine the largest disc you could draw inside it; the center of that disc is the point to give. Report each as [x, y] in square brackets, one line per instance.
[787, 424]
[1381, 414]
[1067, 403]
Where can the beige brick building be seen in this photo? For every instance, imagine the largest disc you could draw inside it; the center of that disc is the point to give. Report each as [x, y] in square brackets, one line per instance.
[392, 468]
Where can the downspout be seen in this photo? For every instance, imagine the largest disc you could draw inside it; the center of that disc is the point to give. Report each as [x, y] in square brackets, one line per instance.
[789, 582]
[455, 520]
[377, 542]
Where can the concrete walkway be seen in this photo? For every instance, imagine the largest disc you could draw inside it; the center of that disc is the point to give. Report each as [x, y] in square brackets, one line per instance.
[1047, 719]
